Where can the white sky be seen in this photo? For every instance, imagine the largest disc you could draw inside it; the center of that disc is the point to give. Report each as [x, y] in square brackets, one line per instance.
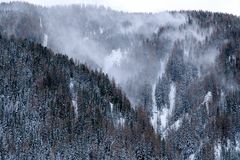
[227, 6]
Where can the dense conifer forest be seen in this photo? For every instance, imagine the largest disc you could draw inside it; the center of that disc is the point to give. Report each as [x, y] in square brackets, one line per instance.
[86, 82]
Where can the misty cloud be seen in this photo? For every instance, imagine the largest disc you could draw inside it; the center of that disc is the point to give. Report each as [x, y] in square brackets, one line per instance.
[116, 42]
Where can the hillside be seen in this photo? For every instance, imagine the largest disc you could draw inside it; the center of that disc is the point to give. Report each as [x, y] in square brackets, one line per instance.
[175, 93]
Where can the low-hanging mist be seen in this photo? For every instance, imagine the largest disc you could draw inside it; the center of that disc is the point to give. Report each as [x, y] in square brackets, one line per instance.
[120, 43]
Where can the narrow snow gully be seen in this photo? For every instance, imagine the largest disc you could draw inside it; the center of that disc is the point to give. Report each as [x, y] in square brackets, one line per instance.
[167, 112]
[207, 100]
[74, 97]
[155, 112]
[120, 120]
[172, 95]
[111, 107]
[164, 115]
[217, 151]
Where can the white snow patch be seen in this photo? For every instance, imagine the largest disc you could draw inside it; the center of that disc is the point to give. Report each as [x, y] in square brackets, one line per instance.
[237, 148]
[71, 85]
[192, 157]
[208, 97]
[111, 107]
[208, 100]
[121, 122]
[228, 144]
[74, 97]
[222, 94]
[175, 126]
[172, 94]
[164, 117]
[186, 52]
[232, 59]
[74, 103]
[217, 151]
[45, 40]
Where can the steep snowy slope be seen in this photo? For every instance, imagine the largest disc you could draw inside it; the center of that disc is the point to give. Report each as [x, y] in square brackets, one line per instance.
[52, 108]
[182, 69]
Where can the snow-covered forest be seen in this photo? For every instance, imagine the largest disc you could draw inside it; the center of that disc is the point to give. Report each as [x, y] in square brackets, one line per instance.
[87, 82]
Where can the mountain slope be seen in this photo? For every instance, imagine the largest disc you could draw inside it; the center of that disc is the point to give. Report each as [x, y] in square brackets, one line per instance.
[52, 108]
[180, 71]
